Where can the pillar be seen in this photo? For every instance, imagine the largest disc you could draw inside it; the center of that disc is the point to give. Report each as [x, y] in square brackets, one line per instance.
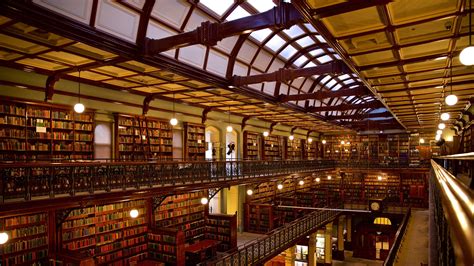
[312, 250]
[348, 243]
[328, 244]
[290, 256]
[339, 253]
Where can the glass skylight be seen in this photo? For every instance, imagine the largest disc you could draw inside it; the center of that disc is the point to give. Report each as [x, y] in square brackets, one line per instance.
[324, 59]
[302, 59]
[261, 35]
[349, 81]
[321, 39]
[306, 41]
[275, 43]
[294, 31]
[345, 76]
[325, 79]
[349, 98]
[288, 51]
[310, 64]
[260, 5]
[316, 52]
[337, 87]
[219, 7]
[236, 14]
[330, 83]
[310, 27]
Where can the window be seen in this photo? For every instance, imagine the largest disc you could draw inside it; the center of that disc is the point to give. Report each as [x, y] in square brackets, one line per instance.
[275, 43]
[261, 5]
[236, 14]
[102, 141]
[219, 7]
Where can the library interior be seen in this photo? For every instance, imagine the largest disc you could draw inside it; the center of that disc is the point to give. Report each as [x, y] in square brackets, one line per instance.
[236, 132]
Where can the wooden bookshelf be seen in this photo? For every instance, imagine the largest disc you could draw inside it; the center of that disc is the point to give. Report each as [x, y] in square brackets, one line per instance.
[140, 138]
[414, 190]
[194, 139]
[272, 149]
[28, 243]
[167, 245]
[294, 149]
[310, 150]
[252, 145]
[258, 218]
[222, 227]
[107, 232]
[39, 131]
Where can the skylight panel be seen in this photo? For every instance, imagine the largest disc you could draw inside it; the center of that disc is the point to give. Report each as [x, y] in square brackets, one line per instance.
[316, 52]
[219, 7]
[310, 64]
[320, 38]
[349, 81]
[330, 83]
[294, 31]
[343, 77]
[337, 56]
[288, 51]
[337, 87]
[261, 35]
[302, 59]
[275, 43]
[310, 27]
[306, 41]
[325, 79]
[261, 5]
[324, 59]
[349, 98]
[236, 14]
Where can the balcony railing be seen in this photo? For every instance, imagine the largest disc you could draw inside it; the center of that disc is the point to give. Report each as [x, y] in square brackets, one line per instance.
[452, 205]
[263, 249]
[27, 181]
[395, 249]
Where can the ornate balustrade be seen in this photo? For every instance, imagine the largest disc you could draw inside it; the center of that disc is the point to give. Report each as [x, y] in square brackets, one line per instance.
[263, 249]
[27, 181]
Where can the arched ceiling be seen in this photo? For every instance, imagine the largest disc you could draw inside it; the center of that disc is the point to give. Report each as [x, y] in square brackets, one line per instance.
[258, 58]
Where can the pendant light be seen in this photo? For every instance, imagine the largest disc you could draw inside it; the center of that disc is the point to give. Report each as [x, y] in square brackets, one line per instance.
[291, 137]
[467, 54]
[229, 127]
[444, 116]
[266, 133]
[173, 121]
[441, 126]
[79, 107]
[451, 99]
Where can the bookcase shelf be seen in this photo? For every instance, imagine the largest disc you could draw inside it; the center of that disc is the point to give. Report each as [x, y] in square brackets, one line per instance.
[28, 242]
[222, 227]
[39, 131]
[294, 149]
[252, 145]
[194, 139]
[272, 148]
[106, 232]
[140, 138]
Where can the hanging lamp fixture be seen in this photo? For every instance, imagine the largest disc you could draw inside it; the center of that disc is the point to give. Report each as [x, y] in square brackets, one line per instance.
[451, 99]
[229, 127]
[173, 121]
[79, 107]
[467, 54]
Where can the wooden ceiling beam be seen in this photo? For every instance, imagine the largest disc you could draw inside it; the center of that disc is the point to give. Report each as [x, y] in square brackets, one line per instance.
[286, 74]
[346, 7]
[359, 116]
[282, 16]
[345, 107]
[320, 95]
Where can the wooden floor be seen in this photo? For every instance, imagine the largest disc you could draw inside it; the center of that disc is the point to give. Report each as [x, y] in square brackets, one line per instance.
[414, 249]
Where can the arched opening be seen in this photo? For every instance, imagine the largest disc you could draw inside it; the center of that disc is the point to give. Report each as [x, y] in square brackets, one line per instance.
[212, 143]
[382, 221]
[231, 145]
[102, 141]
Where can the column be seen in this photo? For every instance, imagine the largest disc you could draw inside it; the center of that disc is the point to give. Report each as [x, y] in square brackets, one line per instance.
[312, 249]
[348, 243]
[339, 253]
[290, 256]
[328, 244]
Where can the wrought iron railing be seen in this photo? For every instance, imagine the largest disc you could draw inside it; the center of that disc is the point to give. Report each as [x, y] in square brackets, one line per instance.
[452, 203]
[394, 250]
[381, 165]
[263, 249]
[26, 181]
